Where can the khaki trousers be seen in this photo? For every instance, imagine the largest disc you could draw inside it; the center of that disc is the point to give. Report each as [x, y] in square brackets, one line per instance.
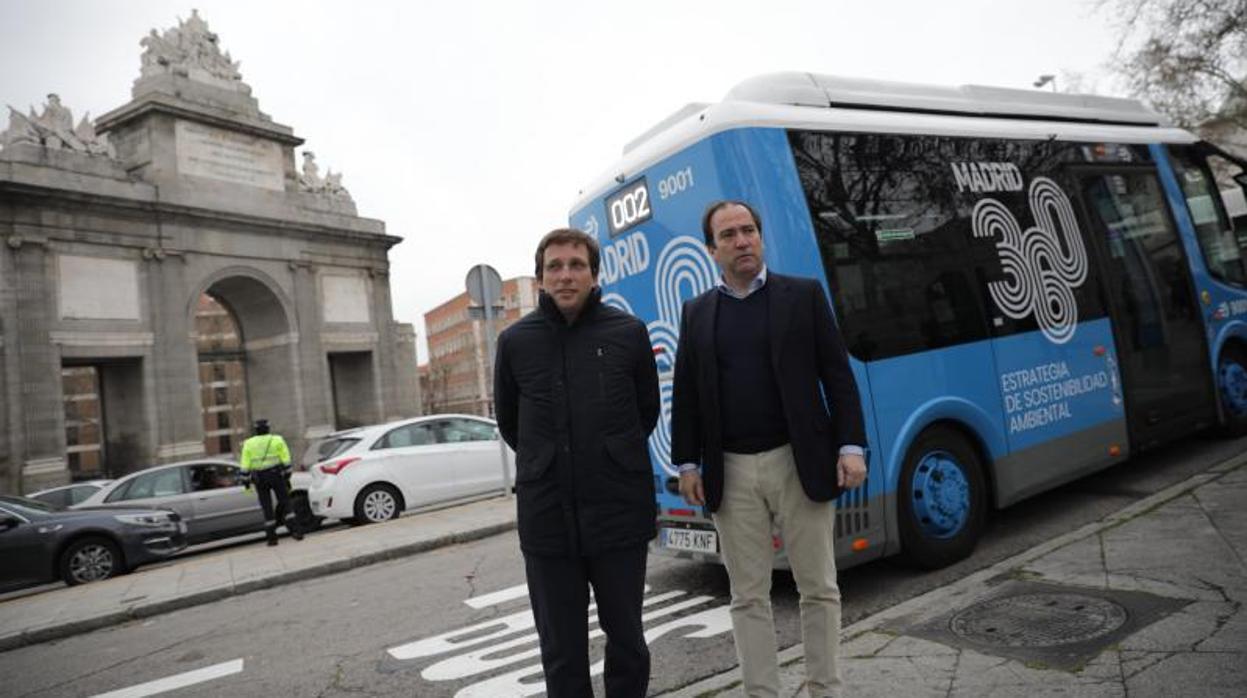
[760, 488]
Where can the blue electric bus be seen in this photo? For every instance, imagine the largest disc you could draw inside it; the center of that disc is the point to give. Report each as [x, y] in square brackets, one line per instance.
[1031, 286]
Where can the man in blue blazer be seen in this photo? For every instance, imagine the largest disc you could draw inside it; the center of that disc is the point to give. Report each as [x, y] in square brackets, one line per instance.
[767, 427]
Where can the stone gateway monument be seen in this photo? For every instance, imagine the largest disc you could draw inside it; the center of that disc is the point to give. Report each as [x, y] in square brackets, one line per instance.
[168, 274]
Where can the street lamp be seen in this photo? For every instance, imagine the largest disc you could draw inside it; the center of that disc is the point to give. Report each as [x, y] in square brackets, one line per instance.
[1044, 80]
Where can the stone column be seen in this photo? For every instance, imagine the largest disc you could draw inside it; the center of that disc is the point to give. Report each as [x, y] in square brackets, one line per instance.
[174, 412]
[390, 396]
[410, 401]
[317, 393]
[10, 473]
[272, 372]
[41, 410]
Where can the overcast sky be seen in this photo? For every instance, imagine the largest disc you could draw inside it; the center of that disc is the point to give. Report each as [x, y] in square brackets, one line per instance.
[468, 127]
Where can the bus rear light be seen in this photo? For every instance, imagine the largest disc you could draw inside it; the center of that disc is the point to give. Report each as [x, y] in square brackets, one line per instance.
[776, 543]
[1099, 350]
[680, 512]
[336, 467]
[1114, 450]
[860, 544]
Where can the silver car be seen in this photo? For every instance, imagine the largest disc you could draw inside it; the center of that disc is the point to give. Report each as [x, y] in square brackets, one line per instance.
[69, 495]
[207, 494]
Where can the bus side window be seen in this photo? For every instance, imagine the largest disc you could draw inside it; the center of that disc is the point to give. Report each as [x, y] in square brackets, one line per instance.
[1205, 181]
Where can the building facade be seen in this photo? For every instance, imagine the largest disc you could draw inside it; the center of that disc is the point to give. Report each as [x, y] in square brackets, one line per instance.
[167, 276]
[459, 377]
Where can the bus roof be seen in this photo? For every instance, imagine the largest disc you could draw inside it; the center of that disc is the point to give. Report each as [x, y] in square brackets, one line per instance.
[829, 91]
[816, 102]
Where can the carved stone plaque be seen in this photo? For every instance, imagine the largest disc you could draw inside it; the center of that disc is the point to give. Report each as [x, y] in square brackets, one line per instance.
[344, 298]
[228, 156]
[94, 288]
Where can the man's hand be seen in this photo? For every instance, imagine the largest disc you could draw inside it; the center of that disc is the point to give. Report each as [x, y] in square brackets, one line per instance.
[850, 471]
[691, 489]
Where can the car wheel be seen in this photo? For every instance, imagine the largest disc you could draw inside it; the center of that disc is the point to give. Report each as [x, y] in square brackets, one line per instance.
[942, 499]
[90, 560]
[1232, 390]
[377, 503]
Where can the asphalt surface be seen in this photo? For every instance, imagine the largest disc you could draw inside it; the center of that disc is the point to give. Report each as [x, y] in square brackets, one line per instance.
[340, 634]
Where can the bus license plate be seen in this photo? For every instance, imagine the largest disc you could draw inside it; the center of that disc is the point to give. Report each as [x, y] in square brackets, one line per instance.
[688, 539]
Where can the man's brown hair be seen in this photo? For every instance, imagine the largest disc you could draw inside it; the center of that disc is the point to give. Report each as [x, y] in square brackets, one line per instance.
[715, 208]
[569, 236]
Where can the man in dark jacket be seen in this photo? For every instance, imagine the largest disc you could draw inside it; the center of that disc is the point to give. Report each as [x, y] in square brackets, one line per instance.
[767, 429]
[576, 396]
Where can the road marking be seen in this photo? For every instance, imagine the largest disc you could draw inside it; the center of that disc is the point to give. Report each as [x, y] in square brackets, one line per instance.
[170, 683]
[497, 597]
[485, 659]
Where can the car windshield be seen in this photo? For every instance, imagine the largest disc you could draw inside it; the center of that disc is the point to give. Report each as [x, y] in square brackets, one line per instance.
[27, 506]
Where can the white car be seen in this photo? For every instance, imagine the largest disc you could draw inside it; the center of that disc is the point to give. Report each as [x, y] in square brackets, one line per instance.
[374, 473]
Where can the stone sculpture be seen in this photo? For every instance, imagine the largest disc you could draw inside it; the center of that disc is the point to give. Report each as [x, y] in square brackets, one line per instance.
[54, 129]
[310, 181]
[191, 50]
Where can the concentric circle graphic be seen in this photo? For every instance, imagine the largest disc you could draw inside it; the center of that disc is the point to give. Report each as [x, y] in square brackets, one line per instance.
[1042, 265]
[684, 271]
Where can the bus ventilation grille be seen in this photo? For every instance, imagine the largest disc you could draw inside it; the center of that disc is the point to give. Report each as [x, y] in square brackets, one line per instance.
[852, 516]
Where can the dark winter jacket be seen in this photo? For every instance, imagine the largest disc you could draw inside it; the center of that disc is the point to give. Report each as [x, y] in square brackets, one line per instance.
[577, 403]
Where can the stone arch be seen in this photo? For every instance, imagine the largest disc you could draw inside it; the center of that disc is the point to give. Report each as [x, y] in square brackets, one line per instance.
[265, 355]
[261, 306]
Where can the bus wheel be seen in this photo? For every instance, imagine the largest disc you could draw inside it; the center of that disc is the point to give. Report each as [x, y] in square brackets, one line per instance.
[942, 499]
[1232, 388]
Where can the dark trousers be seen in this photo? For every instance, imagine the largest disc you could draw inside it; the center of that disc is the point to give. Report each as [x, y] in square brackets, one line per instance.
[271, 482]
[558, 588]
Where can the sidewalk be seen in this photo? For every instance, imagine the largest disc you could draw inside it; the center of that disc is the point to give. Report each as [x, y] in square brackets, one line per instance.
[213, 576]
[1147, 602]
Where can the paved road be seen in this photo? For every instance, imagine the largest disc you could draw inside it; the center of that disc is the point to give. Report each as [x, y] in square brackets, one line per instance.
[405, 627]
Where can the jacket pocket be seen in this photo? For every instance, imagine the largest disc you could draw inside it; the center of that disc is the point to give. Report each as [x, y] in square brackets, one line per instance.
[532, 463]
[629, 453]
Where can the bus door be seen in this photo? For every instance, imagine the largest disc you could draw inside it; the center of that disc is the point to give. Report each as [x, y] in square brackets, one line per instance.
[1157, 322]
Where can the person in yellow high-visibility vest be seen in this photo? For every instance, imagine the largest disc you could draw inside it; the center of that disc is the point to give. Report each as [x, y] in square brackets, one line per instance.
[265, 458]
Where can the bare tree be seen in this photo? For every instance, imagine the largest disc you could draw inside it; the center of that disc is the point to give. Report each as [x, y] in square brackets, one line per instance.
[1187, 58]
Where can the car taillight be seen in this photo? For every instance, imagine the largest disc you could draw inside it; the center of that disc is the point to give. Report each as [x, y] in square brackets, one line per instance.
[336, 467]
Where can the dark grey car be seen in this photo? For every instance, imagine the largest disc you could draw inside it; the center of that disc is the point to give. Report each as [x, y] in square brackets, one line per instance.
[42, 542]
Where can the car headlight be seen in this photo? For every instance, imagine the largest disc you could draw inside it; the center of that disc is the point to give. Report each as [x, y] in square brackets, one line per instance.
[144, 519]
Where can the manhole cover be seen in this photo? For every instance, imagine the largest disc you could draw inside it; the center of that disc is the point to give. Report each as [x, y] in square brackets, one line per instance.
[1039, 620]
[1043, 624]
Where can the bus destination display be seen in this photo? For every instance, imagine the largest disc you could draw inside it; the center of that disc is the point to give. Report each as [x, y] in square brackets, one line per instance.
[628, 207]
